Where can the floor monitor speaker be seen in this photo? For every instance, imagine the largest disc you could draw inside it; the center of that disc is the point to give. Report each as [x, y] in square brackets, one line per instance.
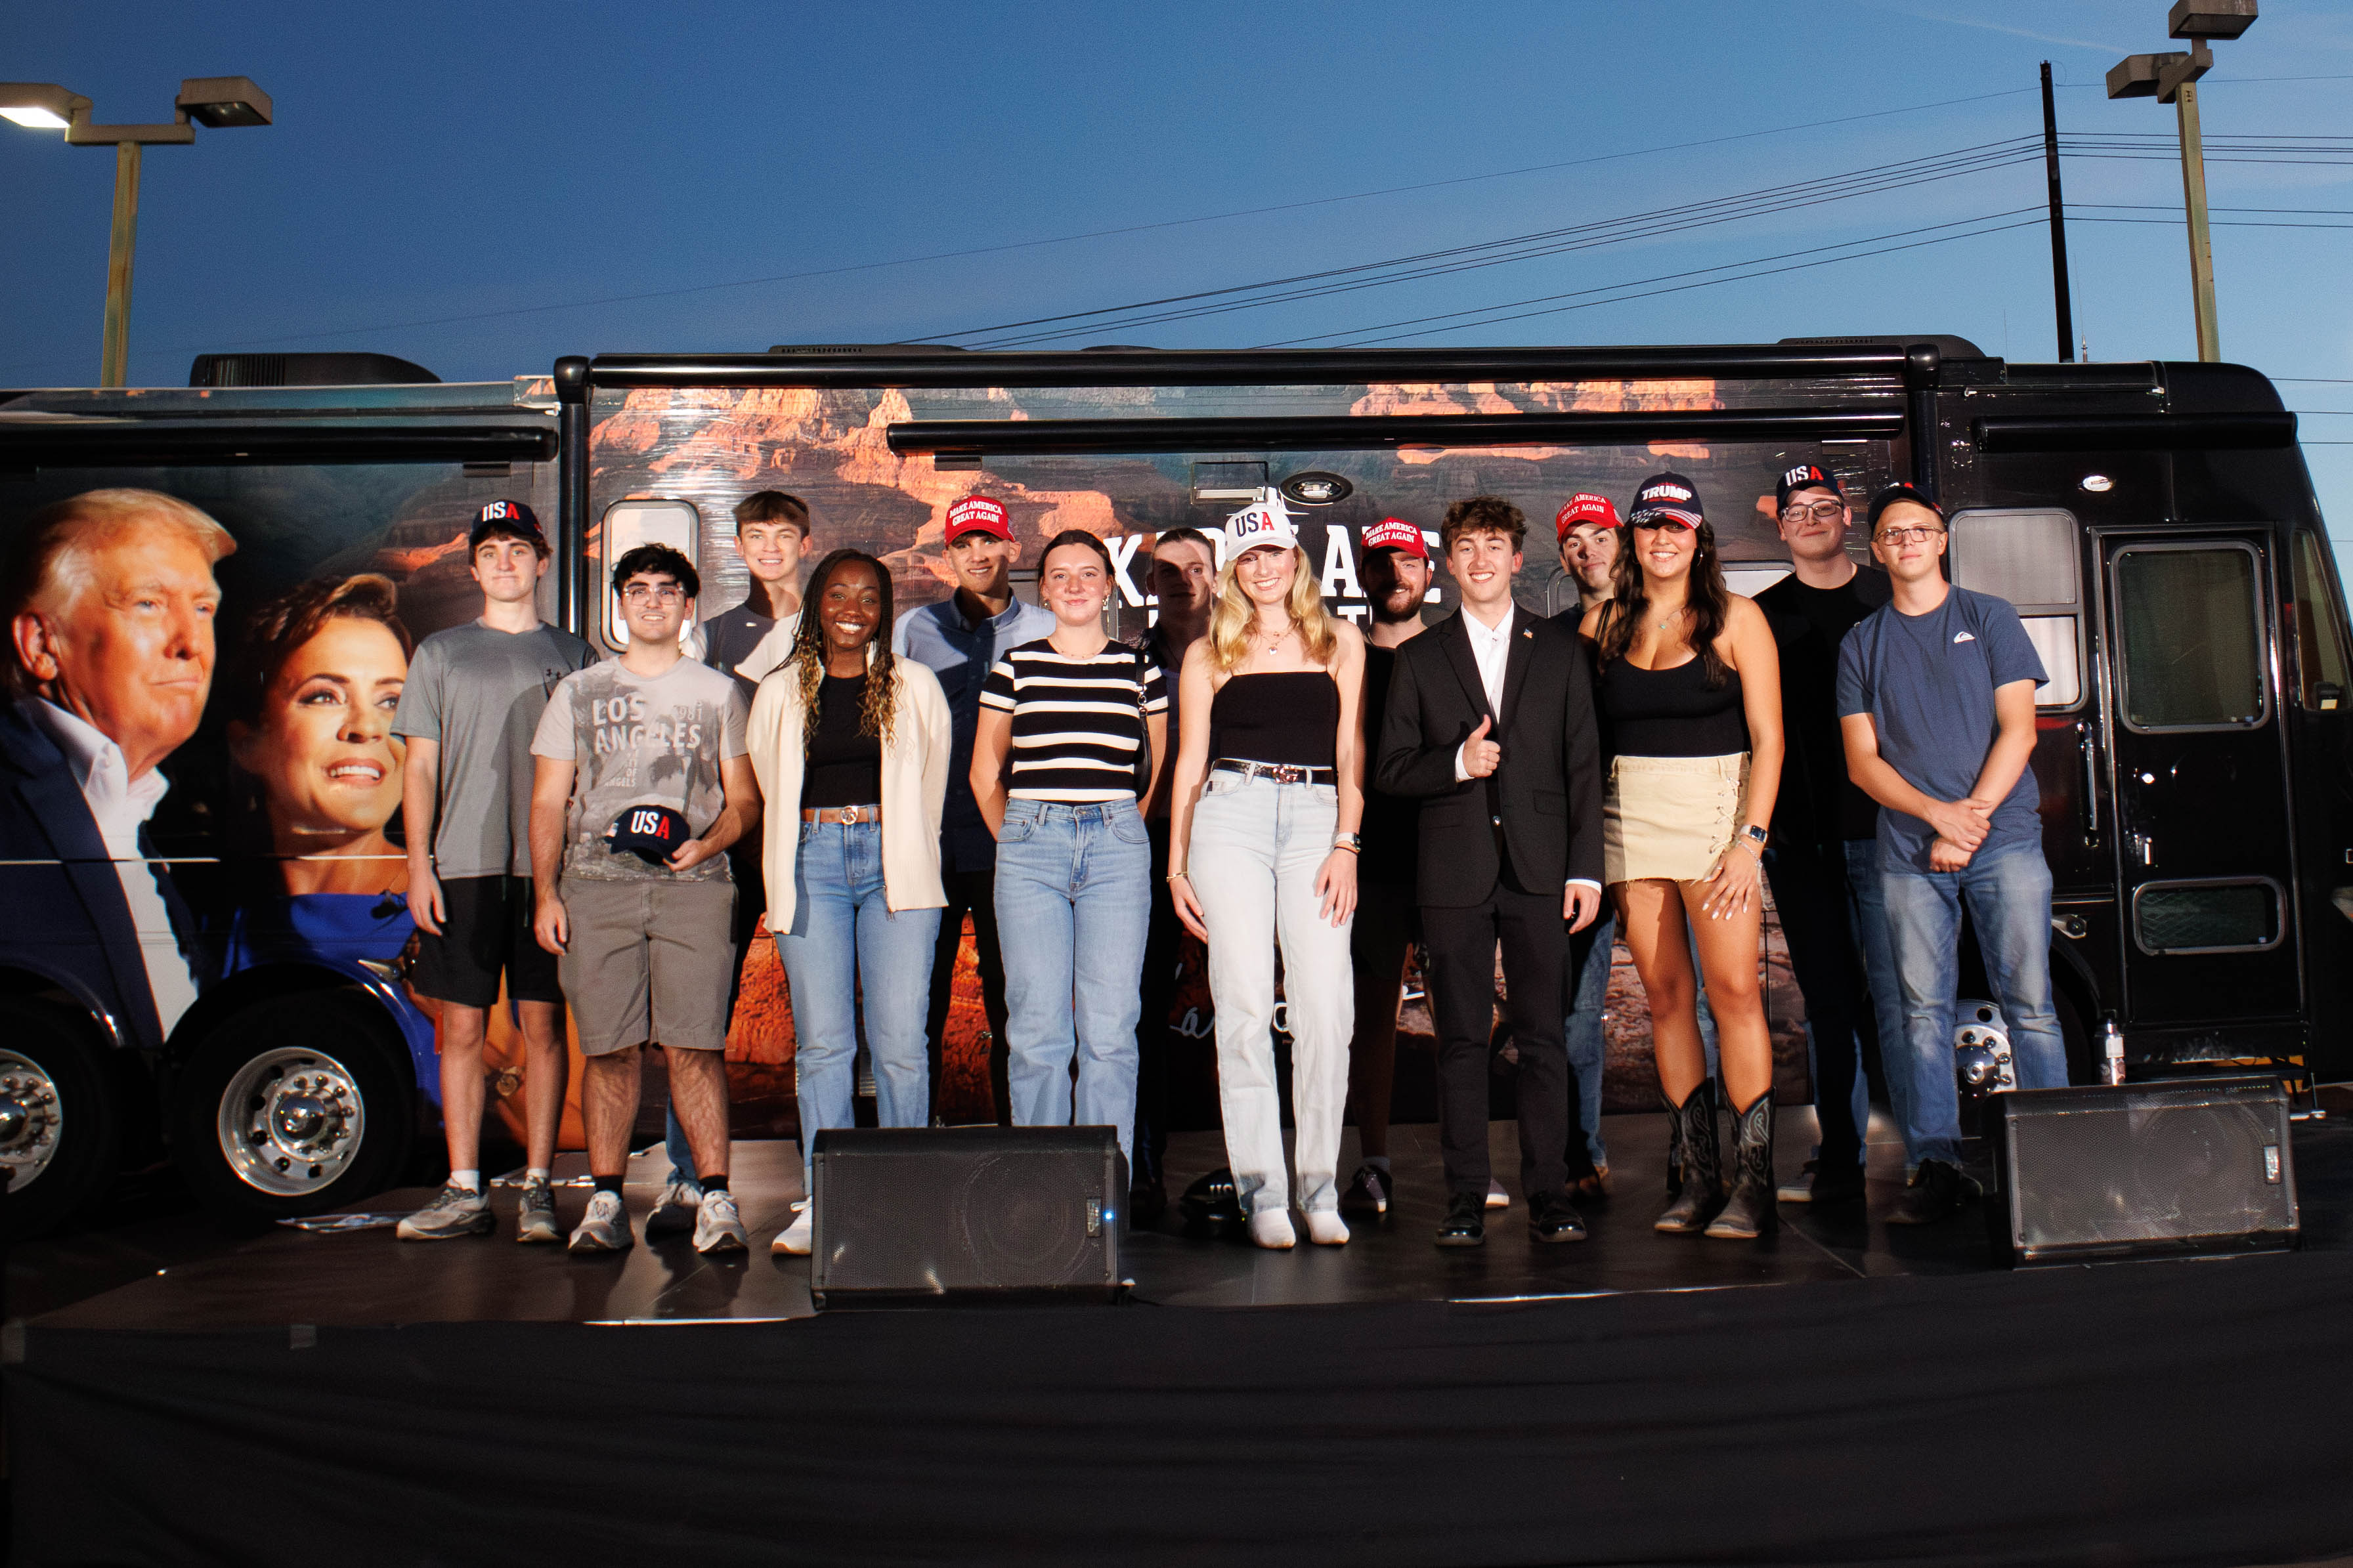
[2186, 1167]
[966, 1214]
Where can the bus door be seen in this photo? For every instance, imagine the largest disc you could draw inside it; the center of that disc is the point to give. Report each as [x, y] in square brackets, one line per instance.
[2204, 839]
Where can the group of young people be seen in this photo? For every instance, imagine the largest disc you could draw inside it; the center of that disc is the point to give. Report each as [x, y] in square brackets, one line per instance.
[1309, 799]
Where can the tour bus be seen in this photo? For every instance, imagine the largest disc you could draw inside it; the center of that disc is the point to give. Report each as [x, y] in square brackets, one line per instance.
[2154, 524]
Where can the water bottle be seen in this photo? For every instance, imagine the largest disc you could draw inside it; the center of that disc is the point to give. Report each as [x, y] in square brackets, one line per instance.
[2111, 1052]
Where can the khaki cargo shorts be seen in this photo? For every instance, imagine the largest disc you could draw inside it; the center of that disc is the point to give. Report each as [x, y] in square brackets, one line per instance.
[650, 963]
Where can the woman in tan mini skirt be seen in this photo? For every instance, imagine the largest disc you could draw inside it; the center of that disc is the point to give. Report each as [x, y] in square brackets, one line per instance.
[1690, 700]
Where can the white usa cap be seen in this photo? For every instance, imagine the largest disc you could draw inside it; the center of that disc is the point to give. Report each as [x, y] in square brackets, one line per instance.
[1265, 522]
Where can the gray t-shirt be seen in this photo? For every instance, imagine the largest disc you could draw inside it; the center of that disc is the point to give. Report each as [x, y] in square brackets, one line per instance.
[1927, 681]
[478, 694]
[642, 742]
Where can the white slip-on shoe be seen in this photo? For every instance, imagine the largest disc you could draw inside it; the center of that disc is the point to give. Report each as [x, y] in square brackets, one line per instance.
[798, 1238]
[1326, 1228]
[1271, 1228]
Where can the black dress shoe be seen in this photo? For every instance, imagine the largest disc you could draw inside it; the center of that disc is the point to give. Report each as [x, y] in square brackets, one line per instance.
[1937, 1193]
[1211, 1200]
[1147, 1200]
[1465, 1223]
[1551, 1217]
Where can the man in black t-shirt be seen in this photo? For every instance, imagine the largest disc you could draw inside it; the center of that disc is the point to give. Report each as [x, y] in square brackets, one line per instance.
[1823, 862]
[1396, 574]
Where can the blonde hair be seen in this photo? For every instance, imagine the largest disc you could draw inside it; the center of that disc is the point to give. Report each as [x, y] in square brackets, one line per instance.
[1231, 614]
[50, 565]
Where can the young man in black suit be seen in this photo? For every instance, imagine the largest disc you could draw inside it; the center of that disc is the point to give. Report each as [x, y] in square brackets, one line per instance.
[1490, 725]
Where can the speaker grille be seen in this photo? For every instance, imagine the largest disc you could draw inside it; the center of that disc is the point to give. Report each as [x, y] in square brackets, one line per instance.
[2165, 1164]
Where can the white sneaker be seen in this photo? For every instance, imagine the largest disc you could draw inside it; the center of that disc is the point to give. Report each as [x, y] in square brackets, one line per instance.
[717, 1226]
[1497, 1198]
[798, 1238]
[673, 1215]
[1271, 1228]
[605, 1227]
[1326, 1228]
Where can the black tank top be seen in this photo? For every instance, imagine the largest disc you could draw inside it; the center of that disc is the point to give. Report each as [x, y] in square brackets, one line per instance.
[1672, 713]
[1292, 716]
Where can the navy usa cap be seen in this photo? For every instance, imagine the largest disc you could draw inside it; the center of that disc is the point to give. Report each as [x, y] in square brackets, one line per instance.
[509, 520]
[1804, 477]
[652, 832]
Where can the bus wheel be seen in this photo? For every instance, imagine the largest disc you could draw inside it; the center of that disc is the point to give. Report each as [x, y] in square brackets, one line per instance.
[295, 1105]
[60, 1127]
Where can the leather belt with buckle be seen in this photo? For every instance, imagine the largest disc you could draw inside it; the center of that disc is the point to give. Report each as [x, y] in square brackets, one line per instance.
[1281, 773]
[853, 814]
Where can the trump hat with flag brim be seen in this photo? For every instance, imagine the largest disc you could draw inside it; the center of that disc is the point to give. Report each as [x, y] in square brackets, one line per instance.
[1667, 498]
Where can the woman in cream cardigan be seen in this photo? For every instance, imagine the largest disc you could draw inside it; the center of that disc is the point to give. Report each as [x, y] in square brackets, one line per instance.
[851, 750]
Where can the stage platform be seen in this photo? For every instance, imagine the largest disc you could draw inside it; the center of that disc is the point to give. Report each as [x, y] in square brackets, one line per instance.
[1843, 1392]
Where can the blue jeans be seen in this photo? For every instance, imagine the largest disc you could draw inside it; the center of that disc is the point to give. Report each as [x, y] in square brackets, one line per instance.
[847, 945]
[2009, 896]
[1867, 913]
[1074, 905]
[1590, 950]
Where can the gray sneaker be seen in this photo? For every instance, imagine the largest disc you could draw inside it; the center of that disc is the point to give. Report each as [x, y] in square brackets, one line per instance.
[605, 1227]
[535, 1215]
[456, 1211]
[674, 1214]
[717, 1226]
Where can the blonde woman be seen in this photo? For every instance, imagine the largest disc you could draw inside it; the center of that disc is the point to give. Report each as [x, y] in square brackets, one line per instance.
[1262, 834]
[851, 746]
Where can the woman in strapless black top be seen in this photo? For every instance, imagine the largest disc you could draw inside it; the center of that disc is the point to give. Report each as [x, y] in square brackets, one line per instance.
[1691, 710]
[1262, 853]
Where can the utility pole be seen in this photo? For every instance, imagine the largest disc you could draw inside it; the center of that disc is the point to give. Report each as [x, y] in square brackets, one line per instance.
[2058, 294]
[2173, 78]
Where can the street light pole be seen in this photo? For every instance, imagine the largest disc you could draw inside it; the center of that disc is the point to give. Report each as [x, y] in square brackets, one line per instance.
[2063, 306]
[2173, 78]
[214, 101]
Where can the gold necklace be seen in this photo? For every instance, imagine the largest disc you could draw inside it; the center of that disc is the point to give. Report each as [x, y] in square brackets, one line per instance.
[1267, 644]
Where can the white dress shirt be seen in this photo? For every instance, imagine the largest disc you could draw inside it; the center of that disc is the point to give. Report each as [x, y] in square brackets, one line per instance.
[1490, 649]
[121, 806]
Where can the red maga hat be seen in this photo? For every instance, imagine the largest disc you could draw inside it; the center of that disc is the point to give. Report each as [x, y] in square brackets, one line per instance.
[977, 514]
[1584, 507]
[1397, 533]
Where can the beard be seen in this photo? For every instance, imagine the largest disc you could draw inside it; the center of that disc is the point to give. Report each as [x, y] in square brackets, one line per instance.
[1399, 604]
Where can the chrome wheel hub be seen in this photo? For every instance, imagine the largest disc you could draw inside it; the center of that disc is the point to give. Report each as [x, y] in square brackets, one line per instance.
[30, 1119]
[290, 1120]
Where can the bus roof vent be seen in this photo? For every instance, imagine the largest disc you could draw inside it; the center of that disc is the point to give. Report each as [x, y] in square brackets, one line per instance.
[1947, 346]
[307, 370]
[894, 350]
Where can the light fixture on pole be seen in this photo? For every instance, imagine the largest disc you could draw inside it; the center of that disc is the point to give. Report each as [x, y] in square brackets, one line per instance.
[216, 100]
[2173, 78]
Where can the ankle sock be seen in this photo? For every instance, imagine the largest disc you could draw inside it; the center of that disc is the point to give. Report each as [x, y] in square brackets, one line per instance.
[470, 1180]
[713, 1184]
[536, 1174]
[609, 1184]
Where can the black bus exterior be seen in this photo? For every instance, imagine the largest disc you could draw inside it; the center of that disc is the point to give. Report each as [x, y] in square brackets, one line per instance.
[2153, 522]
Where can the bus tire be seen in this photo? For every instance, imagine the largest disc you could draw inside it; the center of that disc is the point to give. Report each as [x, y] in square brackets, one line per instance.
[60, 1129]
[295, 1105]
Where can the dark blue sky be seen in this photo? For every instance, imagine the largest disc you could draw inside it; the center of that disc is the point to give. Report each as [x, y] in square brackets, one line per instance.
[438, 172]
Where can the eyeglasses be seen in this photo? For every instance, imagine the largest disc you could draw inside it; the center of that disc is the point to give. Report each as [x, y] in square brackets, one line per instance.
[1901, 536]
[653, 594]
[1664, 525]
[1820, 511]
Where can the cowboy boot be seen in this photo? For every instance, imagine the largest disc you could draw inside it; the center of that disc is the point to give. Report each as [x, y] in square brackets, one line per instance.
[1700, 1165]
[1750, 1212]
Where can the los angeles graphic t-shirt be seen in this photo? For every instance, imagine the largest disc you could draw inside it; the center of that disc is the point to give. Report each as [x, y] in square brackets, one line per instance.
[640, 742]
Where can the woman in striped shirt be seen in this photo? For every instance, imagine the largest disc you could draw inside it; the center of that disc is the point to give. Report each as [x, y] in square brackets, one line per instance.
[1074, 729]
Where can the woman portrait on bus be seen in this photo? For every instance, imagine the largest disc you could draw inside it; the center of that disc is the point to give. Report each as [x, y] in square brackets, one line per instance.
[309, 692]
[1073, 730]
[1262, 834]
[850, 747]
[1691, 702]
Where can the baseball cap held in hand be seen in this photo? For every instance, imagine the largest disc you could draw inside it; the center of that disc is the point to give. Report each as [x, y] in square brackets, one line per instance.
[652, 832]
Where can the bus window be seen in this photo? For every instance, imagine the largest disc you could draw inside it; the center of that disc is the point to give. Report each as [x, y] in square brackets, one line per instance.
[2320, 661]
[2031, 558]
[2192, 636]
[629, 523]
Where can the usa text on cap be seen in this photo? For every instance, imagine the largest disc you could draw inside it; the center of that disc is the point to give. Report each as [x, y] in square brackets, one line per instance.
[1668, 496]
[1395, 533]
[1805, 476]
[1263, 522]
[1584, 507]
[977, 514]
[652, 832]
[511, 518]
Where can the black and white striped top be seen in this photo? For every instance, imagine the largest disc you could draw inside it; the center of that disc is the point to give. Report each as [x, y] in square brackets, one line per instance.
[1076, 730]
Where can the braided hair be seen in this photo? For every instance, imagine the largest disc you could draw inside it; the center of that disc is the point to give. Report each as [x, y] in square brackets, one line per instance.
[808, 657]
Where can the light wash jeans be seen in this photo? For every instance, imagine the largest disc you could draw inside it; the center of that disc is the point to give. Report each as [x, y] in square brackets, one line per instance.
[1588, 1053]
[1073, 908]
[846, 945]
[2008, 895]
[1256, 847]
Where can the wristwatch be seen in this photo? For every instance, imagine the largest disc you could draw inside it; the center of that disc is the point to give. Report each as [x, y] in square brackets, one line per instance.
[1755, 835]
[1352, 842]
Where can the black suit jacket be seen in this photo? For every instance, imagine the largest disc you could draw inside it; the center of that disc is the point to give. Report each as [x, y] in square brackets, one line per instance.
[1541, 809]
[62, 912]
